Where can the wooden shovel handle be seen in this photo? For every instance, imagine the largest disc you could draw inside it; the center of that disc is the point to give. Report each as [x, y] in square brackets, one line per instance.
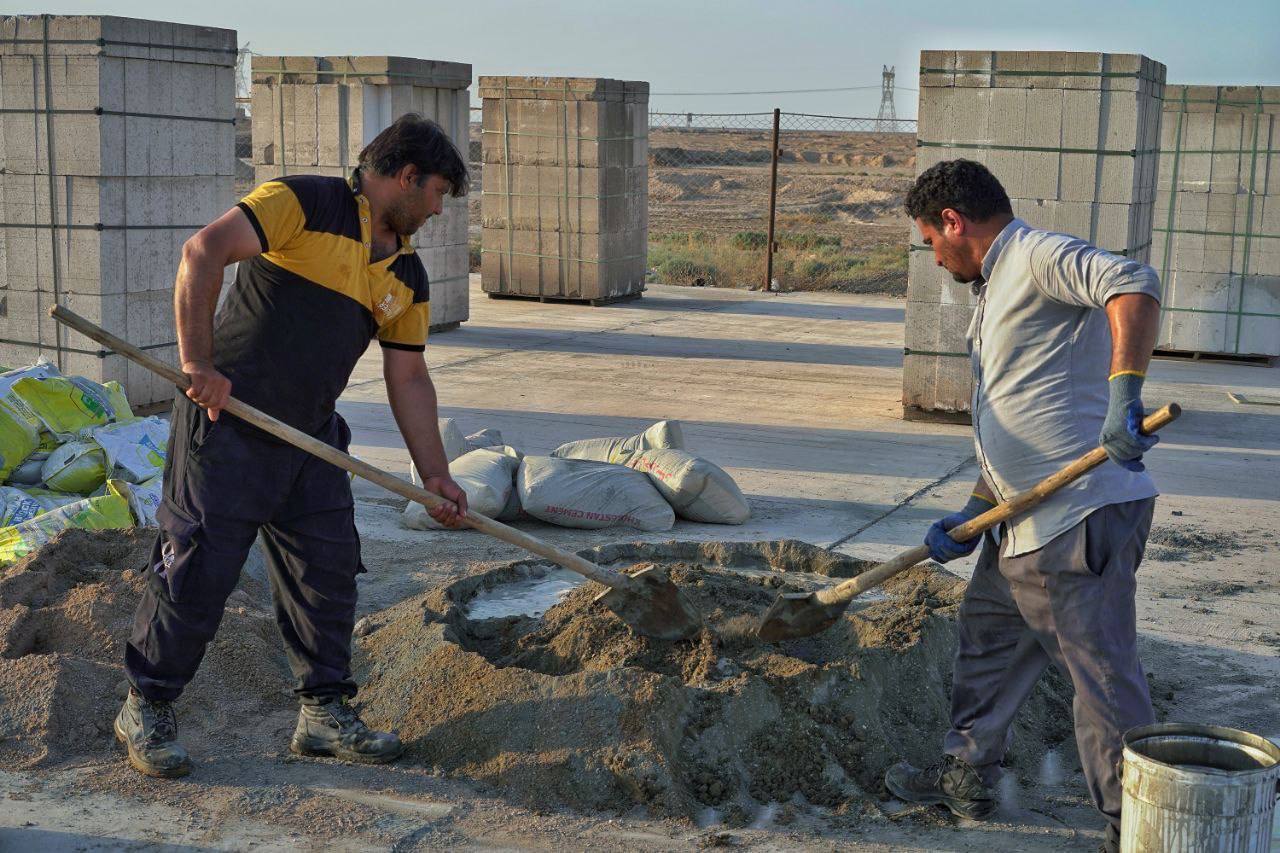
[345, 461]
[1016, 505]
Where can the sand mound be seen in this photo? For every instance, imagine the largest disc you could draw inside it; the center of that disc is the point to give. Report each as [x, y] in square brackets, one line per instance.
[574, 709]
[65, 614]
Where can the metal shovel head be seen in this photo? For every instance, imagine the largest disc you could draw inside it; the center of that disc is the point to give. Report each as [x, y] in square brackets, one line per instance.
[654, 606]
[798, 614]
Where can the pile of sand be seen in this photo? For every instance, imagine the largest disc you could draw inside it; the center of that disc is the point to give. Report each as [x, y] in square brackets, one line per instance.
[573, 709]
[65, 614]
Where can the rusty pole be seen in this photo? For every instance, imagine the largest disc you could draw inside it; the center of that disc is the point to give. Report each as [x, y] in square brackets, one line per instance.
[773, 201]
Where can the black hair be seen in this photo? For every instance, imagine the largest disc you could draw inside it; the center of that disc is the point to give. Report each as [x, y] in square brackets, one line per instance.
[965, 186]
[412, 139]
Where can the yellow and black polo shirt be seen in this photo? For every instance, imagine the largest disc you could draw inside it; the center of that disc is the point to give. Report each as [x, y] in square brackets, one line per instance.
[303, 312]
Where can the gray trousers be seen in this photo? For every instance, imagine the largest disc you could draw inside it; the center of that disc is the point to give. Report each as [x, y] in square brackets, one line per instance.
[1071, 603]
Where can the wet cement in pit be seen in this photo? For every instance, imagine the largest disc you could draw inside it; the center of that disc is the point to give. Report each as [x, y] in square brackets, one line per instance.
[573, 709]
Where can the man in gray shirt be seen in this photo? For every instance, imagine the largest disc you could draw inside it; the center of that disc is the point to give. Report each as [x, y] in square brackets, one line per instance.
[1059, 345]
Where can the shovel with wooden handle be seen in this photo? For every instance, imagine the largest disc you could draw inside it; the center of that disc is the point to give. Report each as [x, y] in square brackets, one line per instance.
[647, 601]
[802, 614]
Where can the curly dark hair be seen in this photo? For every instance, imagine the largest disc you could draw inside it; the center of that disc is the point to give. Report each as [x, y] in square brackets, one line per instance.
[412, 139]
[965, 186]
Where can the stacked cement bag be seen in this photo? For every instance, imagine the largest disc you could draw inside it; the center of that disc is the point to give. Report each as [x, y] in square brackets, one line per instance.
[642, 481]
[587, 494]
[456, 444]
[696, 488]
[72, 454]
[618, 450]
[486, 474]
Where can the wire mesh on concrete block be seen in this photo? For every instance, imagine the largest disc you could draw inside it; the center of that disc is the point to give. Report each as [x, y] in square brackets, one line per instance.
[841, 183]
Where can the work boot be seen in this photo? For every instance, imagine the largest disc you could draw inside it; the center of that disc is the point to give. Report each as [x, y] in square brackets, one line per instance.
[335, 729]
[949, 781]
[149, 730]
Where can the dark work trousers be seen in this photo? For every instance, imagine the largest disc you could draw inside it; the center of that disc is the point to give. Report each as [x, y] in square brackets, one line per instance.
[1071, 603]
[225, 482]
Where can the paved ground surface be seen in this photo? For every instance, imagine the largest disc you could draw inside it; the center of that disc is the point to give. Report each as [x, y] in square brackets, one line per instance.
[798, 397]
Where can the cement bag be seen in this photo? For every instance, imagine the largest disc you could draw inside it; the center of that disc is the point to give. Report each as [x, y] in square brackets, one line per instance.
[17, 443]
[484, 438]
[486, 475]
[144, 500]
[29, 472]
[65, 406]
[697, 489]
[107, 512]
[591, 495]
[77, 466]
[455, 444]
[618, 450]
[19, 425]
[135, 450]
[119, 401]
[53, 500]
[18, 506]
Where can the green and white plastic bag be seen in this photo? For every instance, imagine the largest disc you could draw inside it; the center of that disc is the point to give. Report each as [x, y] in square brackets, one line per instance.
[135, 449]
[110, 511]
[65, 405]
[30, 471]
[77, 466]
[144, 500]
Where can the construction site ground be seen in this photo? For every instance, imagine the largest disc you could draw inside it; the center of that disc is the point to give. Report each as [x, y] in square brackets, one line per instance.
[798, 396]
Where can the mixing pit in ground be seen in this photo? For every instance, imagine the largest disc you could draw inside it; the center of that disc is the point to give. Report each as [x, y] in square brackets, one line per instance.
[574, 709]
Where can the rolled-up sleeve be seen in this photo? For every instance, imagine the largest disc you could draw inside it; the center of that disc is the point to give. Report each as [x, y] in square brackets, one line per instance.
[1072, 272]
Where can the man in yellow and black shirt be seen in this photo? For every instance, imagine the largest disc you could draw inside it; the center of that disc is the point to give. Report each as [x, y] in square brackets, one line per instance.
[325, 267]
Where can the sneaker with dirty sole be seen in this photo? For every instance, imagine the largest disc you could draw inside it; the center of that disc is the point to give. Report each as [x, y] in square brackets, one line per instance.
[149, 731]
[947, 782]
[335, 730]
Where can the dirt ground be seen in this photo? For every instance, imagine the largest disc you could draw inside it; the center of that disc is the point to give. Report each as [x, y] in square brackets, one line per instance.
[798, 397]
[717, 182]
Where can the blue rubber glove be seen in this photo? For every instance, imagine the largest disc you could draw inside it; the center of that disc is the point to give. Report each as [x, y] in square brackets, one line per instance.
[1121, 436]
[941, 546]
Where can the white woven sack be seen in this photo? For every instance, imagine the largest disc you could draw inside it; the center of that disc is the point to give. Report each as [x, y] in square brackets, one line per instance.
[619, 450]
[486, 475]
[591, 495]
[697, 489]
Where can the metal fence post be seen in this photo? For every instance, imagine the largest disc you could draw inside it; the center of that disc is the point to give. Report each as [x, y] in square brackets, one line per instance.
[773, 202]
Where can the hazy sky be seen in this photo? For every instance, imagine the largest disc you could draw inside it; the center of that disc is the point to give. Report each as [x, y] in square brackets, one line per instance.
[695, 46]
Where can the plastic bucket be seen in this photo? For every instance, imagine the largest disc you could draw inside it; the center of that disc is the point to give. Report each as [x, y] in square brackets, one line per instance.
[1206, 789]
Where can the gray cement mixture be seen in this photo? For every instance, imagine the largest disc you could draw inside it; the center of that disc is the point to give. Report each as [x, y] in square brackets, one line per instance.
[573, 709]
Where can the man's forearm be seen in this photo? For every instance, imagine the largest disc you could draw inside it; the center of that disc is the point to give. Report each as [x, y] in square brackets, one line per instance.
[195, 298]
[413, 402]
[1135, 323]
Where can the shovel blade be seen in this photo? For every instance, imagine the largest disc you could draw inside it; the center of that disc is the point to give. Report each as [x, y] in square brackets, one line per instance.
[798, 614]
[654, 606]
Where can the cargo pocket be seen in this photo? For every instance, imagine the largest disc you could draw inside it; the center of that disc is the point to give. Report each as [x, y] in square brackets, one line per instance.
[180, 555]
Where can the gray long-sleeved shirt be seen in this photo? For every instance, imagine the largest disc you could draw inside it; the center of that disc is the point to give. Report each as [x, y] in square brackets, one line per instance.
[1040, 346]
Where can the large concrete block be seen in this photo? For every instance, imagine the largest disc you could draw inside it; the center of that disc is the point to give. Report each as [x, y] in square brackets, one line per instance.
[1073, 139]
[565, 210]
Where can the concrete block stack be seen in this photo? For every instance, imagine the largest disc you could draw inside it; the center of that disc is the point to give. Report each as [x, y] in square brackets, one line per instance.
[117, 145]
[565, 208]
[1216, 241]
[314, 114]
[1074, 139]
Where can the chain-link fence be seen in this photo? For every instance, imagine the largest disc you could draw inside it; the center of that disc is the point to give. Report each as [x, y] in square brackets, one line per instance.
[839, 190]
[837, 196]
